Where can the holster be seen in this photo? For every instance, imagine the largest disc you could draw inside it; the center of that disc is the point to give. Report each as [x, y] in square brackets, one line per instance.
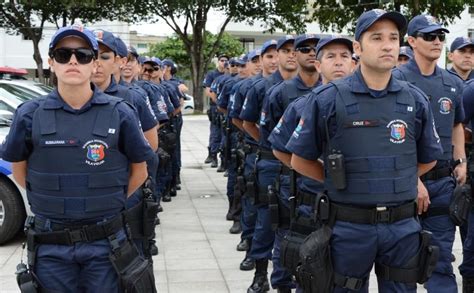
[24, 275]
[135, 273]
[290, 250]
[164, 158]
[251, 187]
[418, 269]
[460, 205]
[209, 114]
[279, 213]
[315, 272]
[168, 138]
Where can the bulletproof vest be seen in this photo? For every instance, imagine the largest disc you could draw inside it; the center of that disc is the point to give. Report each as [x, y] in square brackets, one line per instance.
[441, 91]
[377, 139]
[76, 170]
[290, 92]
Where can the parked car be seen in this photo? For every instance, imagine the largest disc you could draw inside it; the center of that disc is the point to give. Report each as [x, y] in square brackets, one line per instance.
[188, 106]
[26, 87]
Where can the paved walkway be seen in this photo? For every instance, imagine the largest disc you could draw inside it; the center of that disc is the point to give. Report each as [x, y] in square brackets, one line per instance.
[197, 254]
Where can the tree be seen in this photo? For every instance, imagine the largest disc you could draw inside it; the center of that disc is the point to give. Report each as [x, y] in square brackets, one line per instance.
[276, 13]
[28, 17]
[337, 14]
[173, 48]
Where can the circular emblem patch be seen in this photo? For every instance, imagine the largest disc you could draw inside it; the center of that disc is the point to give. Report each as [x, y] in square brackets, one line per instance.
[397, 131]
[95, 152]
[445, 105]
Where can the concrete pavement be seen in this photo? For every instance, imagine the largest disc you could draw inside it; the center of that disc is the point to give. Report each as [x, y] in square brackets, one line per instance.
[196, 251]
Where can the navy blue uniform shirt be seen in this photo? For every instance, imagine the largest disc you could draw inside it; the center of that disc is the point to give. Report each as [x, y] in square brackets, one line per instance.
[226, 91]
[210, 76]
[132, 143]
[468, 101]
[309, 137]
[469, 77]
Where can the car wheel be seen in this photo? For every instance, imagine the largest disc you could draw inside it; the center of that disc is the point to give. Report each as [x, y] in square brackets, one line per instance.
[12, 211]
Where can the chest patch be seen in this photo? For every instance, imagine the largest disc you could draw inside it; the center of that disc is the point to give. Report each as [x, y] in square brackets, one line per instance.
[95, 152]
[445, 105]
[397, 131]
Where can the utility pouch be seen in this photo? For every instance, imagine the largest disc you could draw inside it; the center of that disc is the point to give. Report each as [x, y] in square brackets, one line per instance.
[337, 170]
[273, 206]
[25, 279]
[429, 255]
[460, 205]
[135, 272]
[150, 210]
[209, 115]
[315, 273]
[290, 250]
[241, 184]
[251, 188]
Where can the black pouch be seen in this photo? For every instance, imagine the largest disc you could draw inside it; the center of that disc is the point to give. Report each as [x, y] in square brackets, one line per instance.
[290, 250]
[251, 188]
[429, 255]
[209, 115]
[315, 274]
[150, 210]
[164, 158]
[135, 273]
[274, 208]
[460, 205]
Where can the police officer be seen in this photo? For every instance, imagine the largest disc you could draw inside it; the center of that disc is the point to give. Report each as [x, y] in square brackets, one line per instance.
[122, 56]
[267, 166]
[333, 62]
[404, 55]
[444, 90]
[467, 267]
[214, 135]
[462, 56]
[381, 130]
[79, 153]
[248, 215]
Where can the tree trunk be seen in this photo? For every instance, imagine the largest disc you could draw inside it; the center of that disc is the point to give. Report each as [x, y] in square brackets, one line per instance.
[38, 59]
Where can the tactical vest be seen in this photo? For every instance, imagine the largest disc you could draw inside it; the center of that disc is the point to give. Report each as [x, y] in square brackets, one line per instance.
[377, 138]
[439, 90]
[75, 170]
[290, 92]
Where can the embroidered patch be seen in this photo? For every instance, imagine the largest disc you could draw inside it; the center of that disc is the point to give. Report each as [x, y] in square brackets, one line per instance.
[397, 131]
[95, 152]
[445, 105]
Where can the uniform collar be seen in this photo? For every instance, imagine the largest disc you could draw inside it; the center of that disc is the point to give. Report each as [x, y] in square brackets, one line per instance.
[412, 65]
[54, 100]
[276, 76]
[359, 86]
[300, 83]
[112, 88]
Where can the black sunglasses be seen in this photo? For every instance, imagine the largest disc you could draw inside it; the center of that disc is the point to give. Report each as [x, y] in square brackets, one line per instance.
[63, 55]
[233, 65]
[430, 37]
[306, 50]
[152, 69]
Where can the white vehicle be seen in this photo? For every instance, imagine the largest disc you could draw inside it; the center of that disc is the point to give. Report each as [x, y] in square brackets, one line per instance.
[188, 105]
[26, 87]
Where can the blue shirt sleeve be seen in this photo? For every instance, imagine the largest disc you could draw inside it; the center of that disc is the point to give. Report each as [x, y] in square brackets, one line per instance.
[145, 113]
[250, 108]
[459, 114]
[468, 101]
[210, 76]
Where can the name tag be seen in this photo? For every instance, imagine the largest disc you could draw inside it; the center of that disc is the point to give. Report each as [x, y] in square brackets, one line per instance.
[362, 123]
[59, 142]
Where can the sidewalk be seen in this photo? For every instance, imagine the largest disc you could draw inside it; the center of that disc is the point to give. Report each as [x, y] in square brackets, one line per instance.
[196, 251]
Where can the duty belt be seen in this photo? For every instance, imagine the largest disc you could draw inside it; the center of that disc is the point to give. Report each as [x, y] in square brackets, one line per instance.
[250, 148]
[372, 215]
[65, 234]
[264, 154]
[437, 174]
[305, 198]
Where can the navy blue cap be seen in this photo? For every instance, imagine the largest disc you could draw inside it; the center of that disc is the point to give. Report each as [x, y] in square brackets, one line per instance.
[406, 51]
[132, 51]
[106, 38]
[122, 50]
[368, 18]
[252, 54]
[74, 30]
[168, 62]
[333, 39]
[222, 56]
[233, 61]
[461, 42]
[300, 39]
[424, 24]
[154, 60]
[284, 40]
[267, 46]
[242, 59]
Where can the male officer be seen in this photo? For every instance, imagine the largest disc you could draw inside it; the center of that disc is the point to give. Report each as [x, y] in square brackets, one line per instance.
[333, 62]
[404, 55]
[267, 166]
[444, 91]
[248, 215]
[462, 56]
[381, 130]
[467, 267]
[214, 135]
[79, 153]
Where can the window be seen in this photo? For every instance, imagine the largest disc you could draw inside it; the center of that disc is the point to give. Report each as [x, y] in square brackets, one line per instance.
[471, 10]
[142, 46]
[248, 44]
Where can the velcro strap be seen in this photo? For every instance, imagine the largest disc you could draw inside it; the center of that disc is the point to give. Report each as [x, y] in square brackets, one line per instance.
[373, 215]
[435, 211]
[87, 233]
[436, 174]
[381, 185]
[264, 154]
[305, 198]
[396, 274]
[348, 282]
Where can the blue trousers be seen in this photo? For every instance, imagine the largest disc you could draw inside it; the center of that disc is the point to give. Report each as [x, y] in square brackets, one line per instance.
[163, 179]
[248, 216]
[232, 169]
[263, 237]
[467, 267]
[355, 248]
[82, 267]
[443, 229]
[215, 134]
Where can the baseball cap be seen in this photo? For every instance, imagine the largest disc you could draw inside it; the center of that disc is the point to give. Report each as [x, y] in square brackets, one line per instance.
[424, 24]
[132, 51]
[122, 50]
[141, 59]
[242, 59]
[168, 62]
[74, 30]
[368, 18]
[155, 60]
[300, 39]
[233, 61]
[252, 54]
[406, 51]
[222, 56]
[333, 39]
[286, 39]
[106, 38]
[461, 42]
[267, 46]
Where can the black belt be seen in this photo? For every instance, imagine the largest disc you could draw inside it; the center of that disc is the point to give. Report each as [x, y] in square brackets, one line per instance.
[69, 234]
[305, 198]
[264, 154]
[437, 174]
[285, 170]
[250, 148]
[372, 215]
